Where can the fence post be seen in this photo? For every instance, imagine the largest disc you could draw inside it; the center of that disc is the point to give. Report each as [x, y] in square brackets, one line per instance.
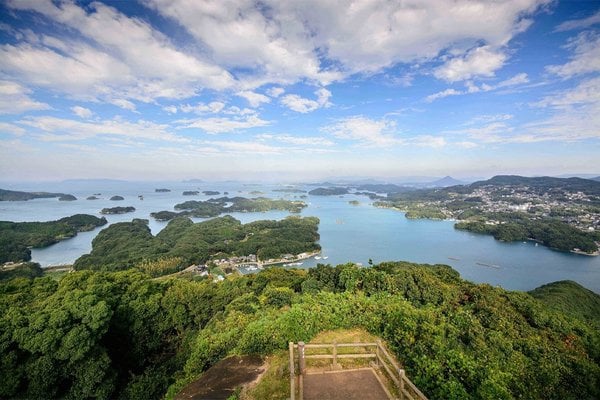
[292, 373]
[401, 383]
[335, 364]
[301, 367]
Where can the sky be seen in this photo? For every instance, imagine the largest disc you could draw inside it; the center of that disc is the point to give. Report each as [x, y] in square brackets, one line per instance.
[298, 89]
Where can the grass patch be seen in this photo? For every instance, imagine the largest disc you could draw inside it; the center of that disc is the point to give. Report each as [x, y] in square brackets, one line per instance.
[275, 381]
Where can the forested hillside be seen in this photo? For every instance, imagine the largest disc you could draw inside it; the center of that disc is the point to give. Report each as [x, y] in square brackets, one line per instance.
[125, 335]
[126, 244]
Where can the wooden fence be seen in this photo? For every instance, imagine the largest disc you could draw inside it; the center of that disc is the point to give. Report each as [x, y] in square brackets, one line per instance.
[374, 351]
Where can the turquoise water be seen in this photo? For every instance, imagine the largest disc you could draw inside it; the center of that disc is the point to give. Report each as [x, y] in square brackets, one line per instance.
[348, 233]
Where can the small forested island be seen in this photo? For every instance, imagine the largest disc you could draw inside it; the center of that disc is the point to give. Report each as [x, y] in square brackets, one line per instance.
[126, 244]
[162, 190]
[67, 197]
[11, 195]
[354, 202]
[561, 213]
[117, 198]
[211, 193]
[92, 198]
[289, 190]
[117, 210]
[215, 207]
[331, 191]
[101, 334]
[16, 238]
[191, 192]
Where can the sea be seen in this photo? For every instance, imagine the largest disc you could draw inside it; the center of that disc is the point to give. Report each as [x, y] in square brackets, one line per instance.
[348, 233]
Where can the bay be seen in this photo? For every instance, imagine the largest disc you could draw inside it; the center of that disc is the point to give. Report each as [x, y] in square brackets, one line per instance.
[349, 233]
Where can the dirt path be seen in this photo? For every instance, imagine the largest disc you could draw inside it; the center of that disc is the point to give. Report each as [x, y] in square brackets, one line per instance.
[220, 381]
[344, 385]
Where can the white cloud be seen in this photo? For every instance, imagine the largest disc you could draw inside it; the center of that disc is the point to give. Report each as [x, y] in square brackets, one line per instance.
[253, 98]
[202, 108]
[585, 93]
[12, 129]
[283, 41]
[82, 112]
[297, 140]
[54, 129]
[471, 87]
[480, 61]
[442, 94]
[366, 131]
[579, 23]
[170, 109]
[429, 141]
[304, 105]
[245, 147]
[102, 64]
[14, 99]
[275, 91]
[124, 104]
[585, 58]
[223, 124]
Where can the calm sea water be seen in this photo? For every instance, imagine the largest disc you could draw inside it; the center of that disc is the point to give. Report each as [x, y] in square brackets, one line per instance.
[348, 232]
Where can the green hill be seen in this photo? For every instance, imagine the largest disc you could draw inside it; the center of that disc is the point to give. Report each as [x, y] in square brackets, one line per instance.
[126, 335]
[570, 298]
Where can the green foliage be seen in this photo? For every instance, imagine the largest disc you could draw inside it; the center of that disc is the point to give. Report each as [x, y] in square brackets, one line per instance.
[125, 335]
[552, 233]
[130, 244]
[22, 270]
[215, 207]
[17, 237]
[570, 298]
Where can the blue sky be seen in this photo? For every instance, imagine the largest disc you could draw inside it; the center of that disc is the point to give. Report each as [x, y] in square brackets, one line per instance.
[175, 89]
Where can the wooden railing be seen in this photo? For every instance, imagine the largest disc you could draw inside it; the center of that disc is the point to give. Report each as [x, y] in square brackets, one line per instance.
[375, 351]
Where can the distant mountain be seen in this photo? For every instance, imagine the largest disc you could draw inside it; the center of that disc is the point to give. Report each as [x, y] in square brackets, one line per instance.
[587, 186]
[11, 195]
[445, 182]
[596, 179]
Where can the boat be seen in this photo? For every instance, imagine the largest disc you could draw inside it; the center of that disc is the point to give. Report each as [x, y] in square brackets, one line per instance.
[325, 258]
[487, 265]
[294, 264]
[454, 258]
[318, 257]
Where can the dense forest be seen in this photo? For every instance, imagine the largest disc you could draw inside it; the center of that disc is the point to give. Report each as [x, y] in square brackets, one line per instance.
[214, 207]
[16, 238]
[12, 195]
[125, 335]
[551, 233]
[127, 244]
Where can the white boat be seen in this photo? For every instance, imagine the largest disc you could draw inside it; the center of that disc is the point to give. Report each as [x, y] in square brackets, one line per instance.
[325, 258]
[318, 257]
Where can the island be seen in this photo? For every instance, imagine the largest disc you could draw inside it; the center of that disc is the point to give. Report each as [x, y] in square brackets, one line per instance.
[214, 207]
[211, 193]
[561, 213]
[289, 190]
[126, 244]
[331, 191]
[163, 190]
[16, 238]
[92, 198]
[117, 198]
[191, 193]
[67, 197]
[11, 195]
[117, 210]
[354, 202]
